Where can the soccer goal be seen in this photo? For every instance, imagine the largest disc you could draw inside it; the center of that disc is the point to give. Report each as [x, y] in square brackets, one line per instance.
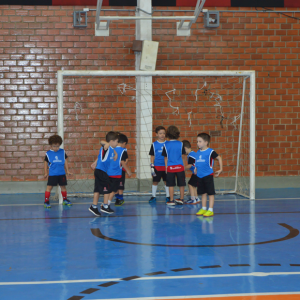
[221, 103]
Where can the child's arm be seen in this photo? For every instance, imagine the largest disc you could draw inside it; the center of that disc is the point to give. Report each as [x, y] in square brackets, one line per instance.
[219, 158]
[152, 159]
[94, 164]
[187, 167]
[106, 146]
[67, 167]
[166, 164]
[45, 169]
[126, 168]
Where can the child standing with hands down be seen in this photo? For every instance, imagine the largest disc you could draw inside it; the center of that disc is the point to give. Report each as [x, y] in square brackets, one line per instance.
[204, 169]
[158, 163]
[57, 161]
[172, 152]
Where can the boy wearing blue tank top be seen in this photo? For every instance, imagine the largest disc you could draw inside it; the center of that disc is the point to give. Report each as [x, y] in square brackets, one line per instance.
[158, 163]
[103, 184]
[57, 161]
[116, 168]
[191, 159]
[172, 152]
[204, 169]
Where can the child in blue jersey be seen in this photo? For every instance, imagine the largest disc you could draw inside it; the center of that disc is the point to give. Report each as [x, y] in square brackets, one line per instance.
[103, 184]
[122, 142]
[158, 163]
[172, 152]
[57, 161]
[191, 159]
[116, 168]
[204, 169]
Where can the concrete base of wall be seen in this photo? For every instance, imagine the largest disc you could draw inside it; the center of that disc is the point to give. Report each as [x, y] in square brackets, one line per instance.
[8, 187]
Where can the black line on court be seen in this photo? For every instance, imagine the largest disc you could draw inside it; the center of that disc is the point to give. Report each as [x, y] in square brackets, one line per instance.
[110, 283]
[295, 265]
[182, 269]
[293, 233]
[107, 284]
[124, 216]
[130, 278]
[269, 265]
[89, 291]
[240, 265]
[208, 267]
[155, 273]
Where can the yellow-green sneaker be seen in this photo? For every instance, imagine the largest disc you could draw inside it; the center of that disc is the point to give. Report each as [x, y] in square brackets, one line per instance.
[208, 214]
[201, 212]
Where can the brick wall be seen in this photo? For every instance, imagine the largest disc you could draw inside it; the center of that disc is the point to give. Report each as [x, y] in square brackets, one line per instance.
[35, 42]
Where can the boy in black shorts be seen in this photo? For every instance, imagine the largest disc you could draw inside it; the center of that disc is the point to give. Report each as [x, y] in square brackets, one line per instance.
[204, 169]
[191, 159]
[122, 142]
[172, 152]
[115, 168]
[103, 184]
[158, 163]
[57, 161]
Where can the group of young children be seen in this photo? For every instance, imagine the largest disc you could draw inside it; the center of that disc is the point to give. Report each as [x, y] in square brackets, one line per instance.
[167, 164]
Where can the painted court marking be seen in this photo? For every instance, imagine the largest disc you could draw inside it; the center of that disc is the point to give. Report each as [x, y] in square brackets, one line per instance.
[257, 274]
[253, 296]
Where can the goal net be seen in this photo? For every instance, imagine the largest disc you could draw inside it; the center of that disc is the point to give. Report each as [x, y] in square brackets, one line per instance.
[218, 105]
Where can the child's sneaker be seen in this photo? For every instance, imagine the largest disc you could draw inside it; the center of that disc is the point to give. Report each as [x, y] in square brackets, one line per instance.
[107, 210]
[167, 199]
[179, 201]
[67, 202]
[208, 214]
[47, 205]
[171, 203]
[95, 211]
[152, 200]
[192, 201]
[201, 212]
[119, 202]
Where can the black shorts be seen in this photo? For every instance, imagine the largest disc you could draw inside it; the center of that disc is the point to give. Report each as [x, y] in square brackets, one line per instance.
[60, 180]
[159, 175]
[122, 182]
[103, 184]
[193, 181]
[206, 185]
[115, 183]
[171, 179]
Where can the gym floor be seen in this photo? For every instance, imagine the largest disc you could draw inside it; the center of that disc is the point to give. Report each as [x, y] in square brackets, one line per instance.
[248, 250]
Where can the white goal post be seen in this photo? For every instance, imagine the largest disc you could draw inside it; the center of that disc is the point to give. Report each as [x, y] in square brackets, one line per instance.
[143, 74]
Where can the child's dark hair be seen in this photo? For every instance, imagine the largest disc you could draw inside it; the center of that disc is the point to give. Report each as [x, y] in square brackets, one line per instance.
[158, 128]
[186, 144]
[173, 132]
[55, 139]
[122, 138]
[111, 136]
[204, 136]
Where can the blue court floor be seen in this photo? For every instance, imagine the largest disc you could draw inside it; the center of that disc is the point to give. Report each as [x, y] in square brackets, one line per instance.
[149, 251]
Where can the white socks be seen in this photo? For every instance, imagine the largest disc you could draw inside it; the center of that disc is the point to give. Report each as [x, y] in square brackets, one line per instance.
[211, 209]
[154, 189]
[193, 197]
[204, 207]
[167, 191]
[109, 202]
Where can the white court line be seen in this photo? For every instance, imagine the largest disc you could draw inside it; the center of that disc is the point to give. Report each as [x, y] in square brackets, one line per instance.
[205, 296]
[255, 274]
[138, 201]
